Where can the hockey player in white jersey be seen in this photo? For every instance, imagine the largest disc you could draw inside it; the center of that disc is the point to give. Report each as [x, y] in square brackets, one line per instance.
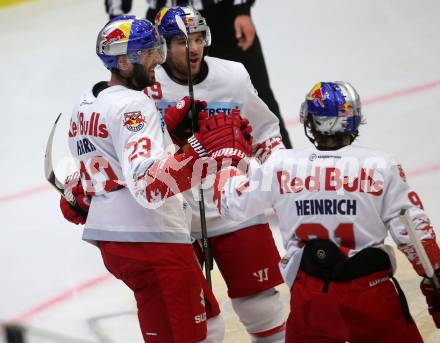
[336, 203]
[244, 251]
[133, 176]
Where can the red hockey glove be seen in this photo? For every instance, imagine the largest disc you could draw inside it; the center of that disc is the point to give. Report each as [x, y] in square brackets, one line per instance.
[223, 137]
[78, 214]
[177, 120]
[432, 298]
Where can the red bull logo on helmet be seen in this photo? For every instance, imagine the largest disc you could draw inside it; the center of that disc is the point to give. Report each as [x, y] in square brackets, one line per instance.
[188, 20]
[160, 15]
[120, 33]
[317, 94]
[345, 110]
[134, 121]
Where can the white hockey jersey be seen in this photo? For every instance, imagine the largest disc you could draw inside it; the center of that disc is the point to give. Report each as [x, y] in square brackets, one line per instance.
[227, 86]
[116, 136]
[352, 196]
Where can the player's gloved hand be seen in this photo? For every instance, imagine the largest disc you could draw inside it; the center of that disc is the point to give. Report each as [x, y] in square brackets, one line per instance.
[432, 298]
[242, 142]
[178, 122]
[222, 136]
[77, 214]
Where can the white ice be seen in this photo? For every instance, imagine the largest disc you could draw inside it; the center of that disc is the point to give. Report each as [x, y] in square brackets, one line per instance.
[47, 58]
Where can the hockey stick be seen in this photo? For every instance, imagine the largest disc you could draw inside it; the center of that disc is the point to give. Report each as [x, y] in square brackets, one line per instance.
[420, 250]
[49, 173]
[48, 166]
[205, 243]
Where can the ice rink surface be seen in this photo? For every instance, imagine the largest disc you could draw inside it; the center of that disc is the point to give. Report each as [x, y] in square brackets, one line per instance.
[51, 280]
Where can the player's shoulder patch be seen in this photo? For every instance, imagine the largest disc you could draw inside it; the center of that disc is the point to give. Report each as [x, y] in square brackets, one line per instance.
[133, 121]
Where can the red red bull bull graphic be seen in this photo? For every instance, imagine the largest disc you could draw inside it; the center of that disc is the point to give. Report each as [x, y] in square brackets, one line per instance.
[345, 110]
[317, 94]
[121, 33]
[189, 21]
[160, 15]
[134, 121]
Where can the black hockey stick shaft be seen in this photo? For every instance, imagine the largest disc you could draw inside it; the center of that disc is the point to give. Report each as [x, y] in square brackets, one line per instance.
[207, 255]
[195, 123]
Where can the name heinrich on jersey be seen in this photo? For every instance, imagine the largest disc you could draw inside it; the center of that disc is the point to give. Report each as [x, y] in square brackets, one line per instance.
[312, 207]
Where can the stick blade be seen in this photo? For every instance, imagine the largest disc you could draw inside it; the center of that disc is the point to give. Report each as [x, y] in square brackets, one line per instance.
[48, 165]
[181, 24]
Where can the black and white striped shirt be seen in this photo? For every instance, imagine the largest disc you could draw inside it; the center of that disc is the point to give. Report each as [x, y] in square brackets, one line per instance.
[118, 7]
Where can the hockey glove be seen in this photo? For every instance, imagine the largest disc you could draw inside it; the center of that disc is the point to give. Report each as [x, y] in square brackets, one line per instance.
[77, 214]
[223, 137]
[178, 122]
[432, 298]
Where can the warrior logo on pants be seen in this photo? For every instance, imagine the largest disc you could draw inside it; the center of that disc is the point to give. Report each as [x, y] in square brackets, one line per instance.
[262, 275]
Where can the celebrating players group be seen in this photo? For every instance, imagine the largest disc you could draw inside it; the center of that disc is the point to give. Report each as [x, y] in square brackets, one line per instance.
[145, 147]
